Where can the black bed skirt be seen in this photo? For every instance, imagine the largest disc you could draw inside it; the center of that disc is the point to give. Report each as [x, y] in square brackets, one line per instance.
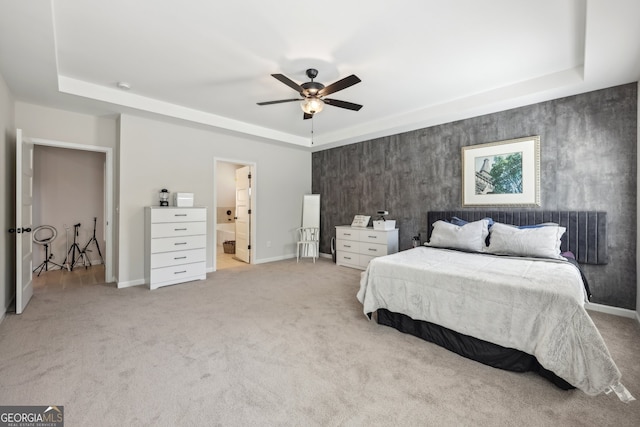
[472, 348]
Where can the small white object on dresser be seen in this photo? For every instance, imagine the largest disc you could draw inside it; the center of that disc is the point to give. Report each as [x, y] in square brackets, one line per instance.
[356, 246]
[175, 245]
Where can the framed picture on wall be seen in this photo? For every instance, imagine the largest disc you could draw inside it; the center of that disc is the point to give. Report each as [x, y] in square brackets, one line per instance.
[503, 173]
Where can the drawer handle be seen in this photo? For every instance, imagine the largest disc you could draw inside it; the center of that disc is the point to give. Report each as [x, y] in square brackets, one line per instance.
[180, 257]
[373, 237]
[347, 246]
[180, 243]
[180, 215]
[347, 257]
[347, 234]
[180, 272]
[179, 229]
[373, 250]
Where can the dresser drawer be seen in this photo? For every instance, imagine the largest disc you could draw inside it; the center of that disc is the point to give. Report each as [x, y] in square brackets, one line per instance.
[347, 245]
[170, 244]
[178, 273]
[347, 234]
[165, 259]
[174, 229]
[178, 215]
[348, 258]
[373, 249]
[373, 236]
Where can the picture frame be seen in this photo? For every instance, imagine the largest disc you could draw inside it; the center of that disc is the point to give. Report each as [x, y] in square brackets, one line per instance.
[502, 173]
[360, 221]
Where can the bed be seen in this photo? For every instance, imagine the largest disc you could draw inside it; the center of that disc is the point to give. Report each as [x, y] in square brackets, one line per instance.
[512, 306]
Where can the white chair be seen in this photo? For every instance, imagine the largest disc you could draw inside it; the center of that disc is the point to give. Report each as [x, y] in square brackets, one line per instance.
[308, 242]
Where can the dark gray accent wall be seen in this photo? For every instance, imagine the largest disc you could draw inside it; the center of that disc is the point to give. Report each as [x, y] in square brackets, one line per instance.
[588, 162]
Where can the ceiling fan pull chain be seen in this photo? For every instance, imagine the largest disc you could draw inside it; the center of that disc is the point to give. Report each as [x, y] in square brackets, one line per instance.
[312, 129]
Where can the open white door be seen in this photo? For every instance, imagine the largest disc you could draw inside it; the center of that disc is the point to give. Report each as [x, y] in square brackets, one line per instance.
[24, 202]
[243, 214]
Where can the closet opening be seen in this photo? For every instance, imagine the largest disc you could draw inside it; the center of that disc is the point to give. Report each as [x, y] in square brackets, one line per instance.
[71, 199]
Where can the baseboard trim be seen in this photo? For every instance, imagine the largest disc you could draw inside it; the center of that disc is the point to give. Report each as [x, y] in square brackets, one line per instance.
[131, 283]
[278, 258]
[617, 311]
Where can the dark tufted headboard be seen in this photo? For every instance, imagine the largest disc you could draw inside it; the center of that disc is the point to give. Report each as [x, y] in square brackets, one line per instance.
[586, 234]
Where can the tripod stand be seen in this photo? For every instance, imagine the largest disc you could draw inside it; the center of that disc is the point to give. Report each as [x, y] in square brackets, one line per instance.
[45, 242]
[93, 240]
[72, 250]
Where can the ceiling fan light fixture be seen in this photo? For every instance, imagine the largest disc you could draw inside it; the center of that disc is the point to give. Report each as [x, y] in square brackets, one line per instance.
[312, 105]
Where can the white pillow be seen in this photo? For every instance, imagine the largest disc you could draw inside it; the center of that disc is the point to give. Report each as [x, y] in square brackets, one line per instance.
[470, 237]
[539, 242]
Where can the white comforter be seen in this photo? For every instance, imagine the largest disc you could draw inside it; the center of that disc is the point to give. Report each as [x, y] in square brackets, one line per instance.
[532, 305]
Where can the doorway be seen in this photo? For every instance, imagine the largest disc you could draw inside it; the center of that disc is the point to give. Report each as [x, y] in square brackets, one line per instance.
[72, 195]
[233, 214]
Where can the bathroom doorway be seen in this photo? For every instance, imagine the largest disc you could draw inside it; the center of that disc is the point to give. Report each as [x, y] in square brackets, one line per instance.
[232, 212]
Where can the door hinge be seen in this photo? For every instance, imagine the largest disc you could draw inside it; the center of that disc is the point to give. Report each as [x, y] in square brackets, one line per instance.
[249, 176]
[249, 247]
[249, 211]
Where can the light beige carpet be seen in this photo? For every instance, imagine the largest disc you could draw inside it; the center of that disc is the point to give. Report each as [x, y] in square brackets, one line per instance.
[279, 344]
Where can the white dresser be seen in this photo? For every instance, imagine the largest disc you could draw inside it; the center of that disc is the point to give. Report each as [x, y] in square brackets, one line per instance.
[175, 245]
[356, 246]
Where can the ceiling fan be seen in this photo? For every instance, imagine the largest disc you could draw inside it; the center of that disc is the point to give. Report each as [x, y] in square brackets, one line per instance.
[313, 93]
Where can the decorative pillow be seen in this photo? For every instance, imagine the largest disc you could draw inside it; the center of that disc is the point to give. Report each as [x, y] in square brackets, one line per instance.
[459, 221]
[544, 224]
[539, 242]
[470, 237]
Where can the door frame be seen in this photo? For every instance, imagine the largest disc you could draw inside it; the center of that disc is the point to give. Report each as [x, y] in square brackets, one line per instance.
[108, 193]
[253, 227]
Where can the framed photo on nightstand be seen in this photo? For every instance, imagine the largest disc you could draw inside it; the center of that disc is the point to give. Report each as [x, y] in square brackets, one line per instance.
[360, 221]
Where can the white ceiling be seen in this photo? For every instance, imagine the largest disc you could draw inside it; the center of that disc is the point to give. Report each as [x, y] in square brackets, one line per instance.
[421, 62]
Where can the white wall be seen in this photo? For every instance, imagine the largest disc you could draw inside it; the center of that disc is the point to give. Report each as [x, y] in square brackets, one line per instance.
[68, 188]
[638, 217]
[7, 195]
[49, 123]
[155, 154]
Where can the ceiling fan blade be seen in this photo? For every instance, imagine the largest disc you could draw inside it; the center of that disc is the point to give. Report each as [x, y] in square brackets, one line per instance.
[342, 104]
[306, 116]
[286, 80]
[278, 102]
[339, 85]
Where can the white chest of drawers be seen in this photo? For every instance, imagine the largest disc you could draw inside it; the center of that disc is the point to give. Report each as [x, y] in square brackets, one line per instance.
[175, 245]
[356, 246]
